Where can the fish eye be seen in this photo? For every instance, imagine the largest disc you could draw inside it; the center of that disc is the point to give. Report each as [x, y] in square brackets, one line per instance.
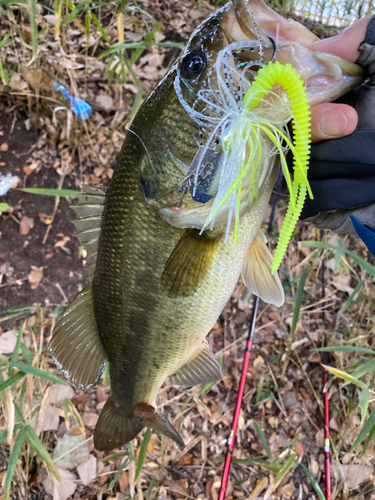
[193, 64]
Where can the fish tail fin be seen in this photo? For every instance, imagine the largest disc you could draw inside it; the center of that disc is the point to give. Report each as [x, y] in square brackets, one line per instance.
[113, 429]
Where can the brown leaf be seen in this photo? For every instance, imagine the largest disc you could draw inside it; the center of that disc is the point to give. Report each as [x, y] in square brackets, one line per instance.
[35, 276]
[90, 419]
[27, 169]
[3, 147]
[25, 225]
[45, 218]
[75, 431]
[123, 481]
[298, 448]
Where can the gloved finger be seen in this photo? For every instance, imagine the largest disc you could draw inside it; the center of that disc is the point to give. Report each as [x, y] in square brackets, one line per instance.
[348, 157]
[345, 44]
[339, 194]
[330, 121]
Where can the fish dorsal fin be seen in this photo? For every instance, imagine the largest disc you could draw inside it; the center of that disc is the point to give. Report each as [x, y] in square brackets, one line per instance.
[89, 213]
[76, 345]
[202, 368]
[189, 263]
[256, 272]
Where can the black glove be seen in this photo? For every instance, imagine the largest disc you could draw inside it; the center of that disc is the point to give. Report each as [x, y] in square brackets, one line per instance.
[342, 171]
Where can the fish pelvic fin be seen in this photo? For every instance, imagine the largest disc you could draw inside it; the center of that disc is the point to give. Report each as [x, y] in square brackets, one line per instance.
[76, 346]
[113, 429]
[157, 421]
[189, 263]
[89, 213]
[202, 368]
[256, 272]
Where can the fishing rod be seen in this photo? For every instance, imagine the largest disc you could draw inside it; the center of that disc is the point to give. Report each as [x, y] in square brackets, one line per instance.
[327, 451]
[241, 388]
[245, 365]
[237, 410]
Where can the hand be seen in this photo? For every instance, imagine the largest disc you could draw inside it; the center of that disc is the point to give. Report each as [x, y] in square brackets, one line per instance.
[342, 171]
[328, 120]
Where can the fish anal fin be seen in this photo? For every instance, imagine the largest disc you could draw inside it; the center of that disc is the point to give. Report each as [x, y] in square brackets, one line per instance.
[256, 273]
[189, 263]
[202, 368]
[76, 345]
[89, 213]
[113, 429]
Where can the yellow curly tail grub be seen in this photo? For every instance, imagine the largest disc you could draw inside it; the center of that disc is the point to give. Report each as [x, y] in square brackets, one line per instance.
[287, 77]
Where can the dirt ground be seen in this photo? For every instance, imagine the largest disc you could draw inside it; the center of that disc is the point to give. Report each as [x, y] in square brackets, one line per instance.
[63, 271]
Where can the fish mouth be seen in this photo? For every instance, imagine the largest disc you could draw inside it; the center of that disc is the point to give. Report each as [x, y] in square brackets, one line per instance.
[326, 76]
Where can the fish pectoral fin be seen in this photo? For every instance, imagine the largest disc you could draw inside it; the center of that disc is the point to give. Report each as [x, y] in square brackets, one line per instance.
[89, 213]
[202, 368]
[160, 423]
[76, 346]
[256, 273]
[189, 263]
[113, 429]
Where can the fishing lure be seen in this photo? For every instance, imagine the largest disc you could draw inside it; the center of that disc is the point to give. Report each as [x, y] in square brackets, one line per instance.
[236, 112]
[287, 77]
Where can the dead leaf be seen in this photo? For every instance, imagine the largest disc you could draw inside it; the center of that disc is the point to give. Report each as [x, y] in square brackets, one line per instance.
[90, 419]
[61, 243]
[298, 448]
[35, 276]
[73, 451]
[50, 422]
[31, 320]
[87, 470]
[59, 392]
[314, 468]
[16, 83]
[3, 147]
[353, 475]
[63, 490]
[74, 431]
[123, 481]
[7, 343]
[45, 218]
[29, 168]
[105, 101]
[342, 283]
[25, 225]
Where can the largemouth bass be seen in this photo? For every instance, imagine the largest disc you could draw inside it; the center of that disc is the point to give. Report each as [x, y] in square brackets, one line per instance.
[159, 277]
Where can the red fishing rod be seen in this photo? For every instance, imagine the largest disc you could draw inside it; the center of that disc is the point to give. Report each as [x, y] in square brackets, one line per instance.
[327, 451]
[245, 365]
[237, 410]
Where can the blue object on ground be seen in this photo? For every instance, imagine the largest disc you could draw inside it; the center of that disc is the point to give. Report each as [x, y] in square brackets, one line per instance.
[366, 234]
[78, 106]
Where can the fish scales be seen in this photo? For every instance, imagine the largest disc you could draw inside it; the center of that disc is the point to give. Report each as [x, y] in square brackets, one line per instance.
[159, 283]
